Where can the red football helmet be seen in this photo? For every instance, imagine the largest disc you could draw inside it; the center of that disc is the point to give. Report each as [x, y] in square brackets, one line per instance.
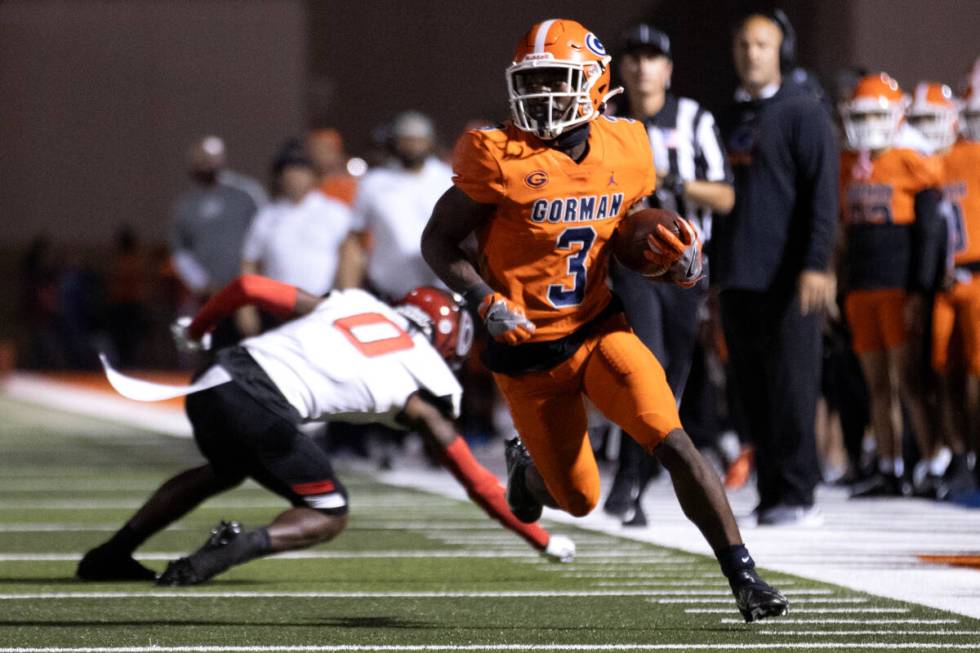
[441, 317]
[559, 78]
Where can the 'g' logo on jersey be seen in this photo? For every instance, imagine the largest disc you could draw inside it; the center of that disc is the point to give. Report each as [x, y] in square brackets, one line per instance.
[536, 179]
[593, 43]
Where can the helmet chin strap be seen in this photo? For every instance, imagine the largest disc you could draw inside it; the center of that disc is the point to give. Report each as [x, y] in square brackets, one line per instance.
[569, 139]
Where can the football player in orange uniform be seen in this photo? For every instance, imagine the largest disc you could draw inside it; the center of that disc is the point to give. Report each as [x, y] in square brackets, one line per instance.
[956, 316]
[888, 196]
[544, 194]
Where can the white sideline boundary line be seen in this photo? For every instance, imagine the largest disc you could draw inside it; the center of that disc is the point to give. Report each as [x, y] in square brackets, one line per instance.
[382, 648]
[37, 389]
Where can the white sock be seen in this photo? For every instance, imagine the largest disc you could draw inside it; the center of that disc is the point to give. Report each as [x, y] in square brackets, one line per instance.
[886, 466]
[899, 466]
[939, 462]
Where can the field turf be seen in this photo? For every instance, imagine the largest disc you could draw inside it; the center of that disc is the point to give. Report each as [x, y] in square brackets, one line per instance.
[413, 572]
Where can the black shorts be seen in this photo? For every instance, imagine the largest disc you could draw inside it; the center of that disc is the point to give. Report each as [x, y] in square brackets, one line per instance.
[243, 437]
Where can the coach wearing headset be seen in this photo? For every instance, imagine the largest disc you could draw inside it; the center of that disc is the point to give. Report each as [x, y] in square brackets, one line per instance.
[771, 259]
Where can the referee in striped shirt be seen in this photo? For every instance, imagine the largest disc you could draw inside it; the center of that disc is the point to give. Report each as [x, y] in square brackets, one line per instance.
[694, 180]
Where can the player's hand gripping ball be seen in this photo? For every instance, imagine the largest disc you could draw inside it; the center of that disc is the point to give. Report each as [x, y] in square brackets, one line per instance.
[650, 241]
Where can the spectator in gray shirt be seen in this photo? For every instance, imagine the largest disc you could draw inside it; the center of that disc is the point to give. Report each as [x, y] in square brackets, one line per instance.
[210, 219]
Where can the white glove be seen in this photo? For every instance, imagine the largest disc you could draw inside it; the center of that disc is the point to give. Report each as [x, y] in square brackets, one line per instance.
[178, 329]
[686, 271]
[505, 320]
[560, 549]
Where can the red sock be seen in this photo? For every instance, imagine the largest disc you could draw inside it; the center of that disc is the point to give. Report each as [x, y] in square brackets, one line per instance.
[486, 492]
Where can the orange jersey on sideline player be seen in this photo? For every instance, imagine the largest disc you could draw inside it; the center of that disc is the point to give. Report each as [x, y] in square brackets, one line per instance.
[957, 310]
[961, 187]
[878, 209]
[877, 195]
[543, 246]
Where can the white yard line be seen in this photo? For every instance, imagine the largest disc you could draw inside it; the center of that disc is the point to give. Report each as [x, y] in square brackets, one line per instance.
[806, 610]
[796, 600]
[384, 648]
[777, 623]
[185, 594]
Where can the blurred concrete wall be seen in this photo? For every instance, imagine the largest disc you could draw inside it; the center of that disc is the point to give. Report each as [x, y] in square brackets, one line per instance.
[99, 99]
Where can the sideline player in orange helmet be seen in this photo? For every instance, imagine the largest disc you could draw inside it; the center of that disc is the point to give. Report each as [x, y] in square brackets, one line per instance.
[956, 316]
[889, 203]
[932, 113]
[544, 194]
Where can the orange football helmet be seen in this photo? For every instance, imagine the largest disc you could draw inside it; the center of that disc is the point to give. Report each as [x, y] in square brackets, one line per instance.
[874, 113]
[933, 114]
[440, 315]
[559, 78]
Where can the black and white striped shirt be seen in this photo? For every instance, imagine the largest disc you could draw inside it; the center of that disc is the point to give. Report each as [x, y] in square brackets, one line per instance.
[685, 141]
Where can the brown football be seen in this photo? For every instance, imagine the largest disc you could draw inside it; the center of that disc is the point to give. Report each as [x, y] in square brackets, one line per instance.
[630, 239]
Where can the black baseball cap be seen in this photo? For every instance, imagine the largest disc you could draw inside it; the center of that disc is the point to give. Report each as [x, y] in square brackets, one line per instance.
[292, 153]
[646, 37]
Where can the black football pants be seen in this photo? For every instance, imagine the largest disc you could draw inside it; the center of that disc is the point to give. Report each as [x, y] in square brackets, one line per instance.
[776, 367]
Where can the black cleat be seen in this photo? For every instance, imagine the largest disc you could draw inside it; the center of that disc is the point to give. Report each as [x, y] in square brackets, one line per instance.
[522, 503]
[104, 564]
[756, 599]
[203, 564]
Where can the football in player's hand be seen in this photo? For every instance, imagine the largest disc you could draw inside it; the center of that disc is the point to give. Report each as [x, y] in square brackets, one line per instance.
[630, 241]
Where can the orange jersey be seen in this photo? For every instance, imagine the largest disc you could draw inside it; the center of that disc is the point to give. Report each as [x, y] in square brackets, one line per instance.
[961, 186]
[341, 187]
[544, 247]
[883, 190]
[877, 199]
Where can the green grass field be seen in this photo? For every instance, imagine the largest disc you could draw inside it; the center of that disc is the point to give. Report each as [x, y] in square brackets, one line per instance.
[413, 572]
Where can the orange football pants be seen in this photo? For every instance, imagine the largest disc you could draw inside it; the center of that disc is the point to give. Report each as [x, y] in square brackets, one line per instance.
[615, 370]
[876, 318]
[957, 311]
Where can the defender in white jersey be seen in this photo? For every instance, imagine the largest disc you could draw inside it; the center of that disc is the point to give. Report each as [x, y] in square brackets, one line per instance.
[347, 356]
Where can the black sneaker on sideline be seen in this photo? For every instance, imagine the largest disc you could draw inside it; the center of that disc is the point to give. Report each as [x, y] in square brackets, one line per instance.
[104, 564]
[882, 485]
[756, 599]
[522, 503]
[623, 494]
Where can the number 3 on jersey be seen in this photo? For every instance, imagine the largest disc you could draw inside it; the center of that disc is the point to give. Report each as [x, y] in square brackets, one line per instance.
[373, 334]
[558, 294]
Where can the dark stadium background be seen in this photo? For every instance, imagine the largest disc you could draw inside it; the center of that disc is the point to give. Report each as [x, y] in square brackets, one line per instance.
[99, 99]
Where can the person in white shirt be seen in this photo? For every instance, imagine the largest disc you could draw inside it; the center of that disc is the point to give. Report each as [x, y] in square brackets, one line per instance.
[347, 356]
[392, 206]
[297, 238]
